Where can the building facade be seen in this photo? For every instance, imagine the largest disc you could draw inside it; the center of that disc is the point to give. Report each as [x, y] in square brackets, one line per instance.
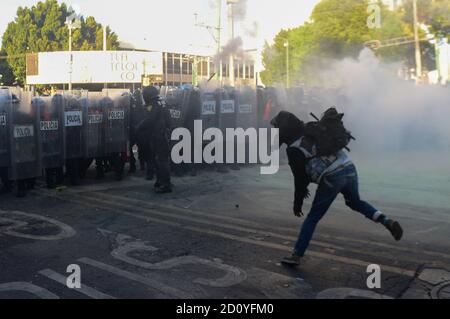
[95, 70]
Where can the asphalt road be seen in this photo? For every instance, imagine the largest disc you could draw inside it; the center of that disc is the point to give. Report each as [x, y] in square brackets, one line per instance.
[217, 236]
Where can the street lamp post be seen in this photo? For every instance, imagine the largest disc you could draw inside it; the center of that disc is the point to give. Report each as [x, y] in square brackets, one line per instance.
[73, 22]
[286, 45]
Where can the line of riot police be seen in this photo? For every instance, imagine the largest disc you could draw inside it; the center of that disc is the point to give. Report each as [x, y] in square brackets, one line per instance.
[61, 136]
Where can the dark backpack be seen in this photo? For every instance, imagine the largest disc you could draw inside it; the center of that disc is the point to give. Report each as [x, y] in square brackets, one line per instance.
[329, 133]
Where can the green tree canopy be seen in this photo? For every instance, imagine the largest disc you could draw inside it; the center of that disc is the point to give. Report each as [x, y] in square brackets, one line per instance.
[337, 29]
[433, 13]
[42, 28]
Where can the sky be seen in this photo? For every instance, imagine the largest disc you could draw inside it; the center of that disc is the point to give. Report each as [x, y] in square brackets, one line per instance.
[169, 25]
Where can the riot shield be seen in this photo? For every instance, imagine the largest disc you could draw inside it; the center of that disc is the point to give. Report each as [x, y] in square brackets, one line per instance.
[175, 101]
[5, 108]
[247, 113]
[25, 146]
[272, 104]
[227, 118]
[136, 110]
[94, 122]
[117, 124]
[51, 128]
[73, 129]
[261, 106]
[209, 110]
[192, 110]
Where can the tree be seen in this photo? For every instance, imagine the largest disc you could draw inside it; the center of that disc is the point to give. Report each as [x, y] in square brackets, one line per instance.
[337, 29]
[433, 13]
[42, 28]
[6, 74]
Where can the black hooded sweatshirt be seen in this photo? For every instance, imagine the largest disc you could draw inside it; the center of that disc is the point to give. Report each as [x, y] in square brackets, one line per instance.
[291, 129]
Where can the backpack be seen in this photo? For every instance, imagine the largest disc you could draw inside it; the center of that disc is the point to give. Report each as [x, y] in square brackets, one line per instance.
[329, 133]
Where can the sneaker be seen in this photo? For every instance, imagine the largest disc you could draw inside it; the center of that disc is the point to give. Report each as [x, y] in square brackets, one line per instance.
[293, 260]
[163, 190]
[395, 229]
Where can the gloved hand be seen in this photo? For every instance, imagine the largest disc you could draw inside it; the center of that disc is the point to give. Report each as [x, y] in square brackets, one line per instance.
[298, 209]
[298, 214]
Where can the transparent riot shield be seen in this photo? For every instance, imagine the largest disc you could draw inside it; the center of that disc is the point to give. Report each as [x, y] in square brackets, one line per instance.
[209, 110]
[73, 128]
[5, 108]
[25, 146]
[261, 106]
[227, 118]
[175, 100]
[51, 118]
[136, 110]
[247, 112]
[273, 102]
[94, 118]
[246, 117]
[117, 123]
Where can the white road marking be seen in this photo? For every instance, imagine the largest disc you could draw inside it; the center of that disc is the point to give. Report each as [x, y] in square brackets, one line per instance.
[164, 290]
[140, 204]
[346, 260]
[85, 289]
[127, 245]
[65, 231]
[30, 288]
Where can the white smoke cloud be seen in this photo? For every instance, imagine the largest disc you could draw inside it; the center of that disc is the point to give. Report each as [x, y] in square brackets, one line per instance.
[240, 10]
[388, 113]
[233, 47]
[384, 112]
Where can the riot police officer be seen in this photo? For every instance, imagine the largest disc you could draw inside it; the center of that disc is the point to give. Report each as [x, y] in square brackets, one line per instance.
[136, 113]
[153, 135]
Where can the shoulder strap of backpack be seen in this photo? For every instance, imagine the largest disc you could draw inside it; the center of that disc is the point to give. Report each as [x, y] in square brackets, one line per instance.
[299, 145]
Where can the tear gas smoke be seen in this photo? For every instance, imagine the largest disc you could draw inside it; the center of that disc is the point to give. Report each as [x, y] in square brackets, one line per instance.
[388, 113]
[240, 10]
[402, 129]
[384, 112]
[252, 30]
[233, 47]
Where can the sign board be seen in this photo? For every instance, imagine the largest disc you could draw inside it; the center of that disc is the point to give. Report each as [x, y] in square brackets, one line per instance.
[96, 67]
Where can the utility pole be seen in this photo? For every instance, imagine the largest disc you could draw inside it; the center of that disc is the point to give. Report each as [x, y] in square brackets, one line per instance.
[73, 22]
[219, 38]
[417, 43]
[230, 4]
[216, 32]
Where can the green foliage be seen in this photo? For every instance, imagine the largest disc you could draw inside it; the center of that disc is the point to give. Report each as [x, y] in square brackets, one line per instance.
[42, 28]
[337, 29]
[6, 74]
[434, 13]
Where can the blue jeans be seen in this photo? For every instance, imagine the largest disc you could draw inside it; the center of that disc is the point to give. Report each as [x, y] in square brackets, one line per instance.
[344, 181]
